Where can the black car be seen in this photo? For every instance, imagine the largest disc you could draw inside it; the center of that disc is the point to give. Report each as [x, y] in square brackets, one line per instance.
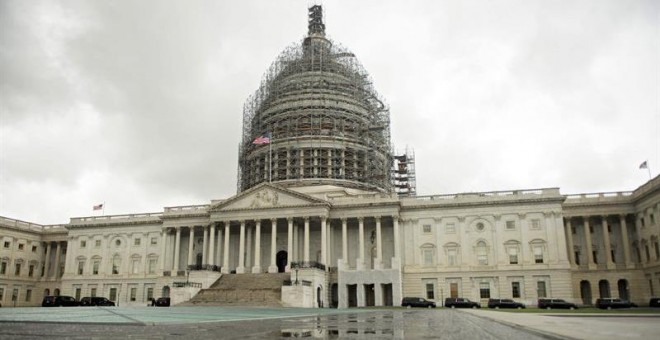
[613, 303]
[95, 301]
[556, 303]
[654, 302]
[461, 303]
[504, 303]
[417, 302]
[59, 301]
[162, 302]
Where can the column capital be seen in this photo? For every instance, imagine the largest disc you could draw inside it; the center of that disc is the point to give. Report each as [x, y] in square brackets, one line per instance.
[306, 219]
[377, 217]
[360, 219]
[395, 218]
[273, 220]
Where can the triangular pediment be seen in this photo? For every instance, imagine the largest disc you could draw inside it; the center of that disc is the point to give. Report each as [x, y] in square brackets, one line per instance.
[264, 196]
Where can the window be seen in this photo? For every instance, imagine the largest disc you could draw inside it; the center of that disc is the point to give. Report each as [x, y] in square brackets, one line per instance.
[3, 268]
[31, 270]
[135, 266]
[613, 253]
[451, 257]
[2, 294]
[482, 253]
[118, 243]
[652, 218]
[427, 228]
[17, 270]
[538, 254]
[484, 290]
[81, 266]
[428, 256]
[21, 246]
[154, 241]
[116, 261]
[450, 228]
[95, 267]
[83, 243]
[573, 231]
[113, 294]
[657, 249]
[535, 224]
[648, 254]
[540, 289]
[513, 255]
[137, 241]
[591, 229]
[7, 244]
[97, 243]
[92, 292]
[577, 257]
[642, 221]
[34, 249]
[150, 293]
[595, 255]
[430, 294]
[515, 289]
[28, 295]
[78, 293]
[133, 293]
[152, 265]
[480, 226]
[510, 225]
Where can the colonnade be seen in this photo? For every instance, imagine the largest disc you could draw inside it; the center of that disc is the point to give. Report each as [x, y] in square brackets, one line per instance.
[607, 228]
[60, 248]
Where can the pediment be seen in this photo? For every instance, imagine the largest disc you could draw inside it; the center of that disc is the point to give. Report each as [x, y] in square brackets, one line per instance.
[265, 196]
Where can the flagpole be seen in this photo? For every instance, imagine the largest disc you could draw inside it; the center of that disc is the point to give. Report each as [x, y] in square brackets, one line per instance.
[648, 168]
[103, 209]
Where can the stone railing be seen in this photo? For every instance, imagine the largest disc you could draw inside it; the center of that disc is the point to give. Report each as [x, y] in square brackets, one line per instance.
[114, 218]
[201, 208]
[307, 264]
[491, 194]
[186, 284]
[208, 267]
[616, 194]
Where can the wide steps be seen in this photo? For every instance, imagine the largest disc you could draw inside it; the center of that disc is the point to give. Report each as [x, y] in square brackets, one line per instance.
[243, 290]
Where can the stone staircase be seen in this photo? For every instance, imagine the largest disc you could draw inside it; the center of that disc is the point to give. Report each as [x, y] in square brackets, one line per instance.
[242, 290]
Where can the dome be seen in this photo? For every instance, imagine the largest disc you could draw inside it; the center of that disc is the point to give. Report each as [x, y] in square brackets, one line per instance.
[324, 122]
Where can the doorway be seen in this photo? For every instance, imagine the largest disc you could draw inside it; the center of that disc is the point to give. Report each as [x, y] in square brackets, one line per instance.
[281, 259]
[369, 295]
[352, 295]
[585, 292]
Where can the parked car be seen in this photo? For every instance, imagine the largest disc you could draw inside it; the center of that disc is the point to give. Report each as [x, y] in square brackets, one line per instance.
[556, 303]
[504, 303]
[417, 302]
[59, 301]
[461, 303]
[95, 301]
[654, 302]
[613, 303]
[162, 302]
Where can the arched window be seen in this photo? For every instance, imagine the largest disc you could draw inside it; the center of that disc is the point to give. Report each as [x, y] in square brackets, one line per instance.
[428, 254]
[135, 264]
[482, 253]
[512, 248]
[80, 269]
[538, 248]
[452, 250]
[116, 264]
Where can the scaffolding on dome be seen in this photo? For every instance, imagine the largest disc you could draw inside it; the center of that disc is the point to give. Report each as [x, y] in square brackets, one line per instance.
[403, 174]
[326, 123]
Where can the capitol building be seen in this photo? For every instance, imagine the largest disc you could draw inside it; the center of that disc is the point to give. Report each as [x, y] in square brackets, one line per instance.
[326, 215]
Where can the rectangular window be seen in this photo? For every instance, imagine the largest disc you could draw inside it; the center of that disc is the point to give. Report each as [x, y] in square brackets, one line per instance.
[515, 289]
[152, 266]
[31, 270]
[154, 241]
[113, 294]
[595, 255]
[78, 291]
[642, 221]
[17, 270]
[137, 241]
[21, 246]
[83, 243]
[652, 218]
[430, 294]
[28, 295]
[573, 230]
[450, 228]
[609, 228]
[427, 228]
[3, 268]
[513, 255]
[536, 224]
[133, 294]
[510, 225]
[648, 254]
[591, 229]
[484, 290]
[150, 293]
[451, 257]
[97, 243]
[95, 267]
[81, 265]
[540, 289]
[14, 295]
[657, 250]
[577, 258]
[428, 256]
[613, 257]
[135, 266]
[7, 244]
[92, 292]
[34, 249]
[538, 254]
[2, 294]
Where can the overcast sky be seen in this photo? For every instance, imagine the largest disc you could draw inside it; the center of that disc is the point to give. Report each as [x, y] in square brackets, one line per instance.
[138, 104]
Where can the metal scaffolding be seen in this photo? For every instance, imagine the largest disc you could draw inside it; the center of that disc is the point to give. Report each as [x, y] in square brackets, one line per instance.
[326, 123]
[403, 174]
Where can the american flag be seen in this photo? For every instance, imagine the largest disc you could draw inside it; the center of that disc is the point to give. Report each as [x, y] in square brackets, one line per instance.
[265, 139]
[98, 207]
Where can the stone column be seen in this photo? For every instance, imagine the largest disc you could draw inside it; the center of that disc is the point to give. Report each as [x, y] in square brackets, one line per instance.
[211, 256]
[273, 246]
[248, 248]
[638, 230]
[163, 249]
[360, 260]
[396, 261]
[289, 244]
[569, 238]
[625, 241]
[225, 256]
[306, 241]
[587, 241]
[296, 244]
[608, 247]
[240, 269]
[379, 246]
[220, 248]
[58, 253]
[205, 246]
[177, 251]
[344, 242]
[257, 248]
[324, 239]
[191, 245]
[46, 260]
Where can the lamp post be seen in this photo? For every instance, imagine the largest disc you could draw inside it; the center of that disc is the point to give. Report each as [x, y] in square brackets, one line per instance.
[187, 276]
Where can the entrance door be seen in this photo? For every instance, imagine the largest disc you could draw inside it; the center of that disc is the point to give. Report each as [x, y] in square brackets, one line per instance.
[585, 291]
[352, 295]
[623, 289]
[369, 295]
[280, 260]
[387, 294]
[453, 289]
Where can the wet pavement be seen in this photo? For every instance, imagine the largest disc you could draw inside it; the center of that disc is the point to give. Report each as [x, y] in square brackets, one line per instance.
[283, 323]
